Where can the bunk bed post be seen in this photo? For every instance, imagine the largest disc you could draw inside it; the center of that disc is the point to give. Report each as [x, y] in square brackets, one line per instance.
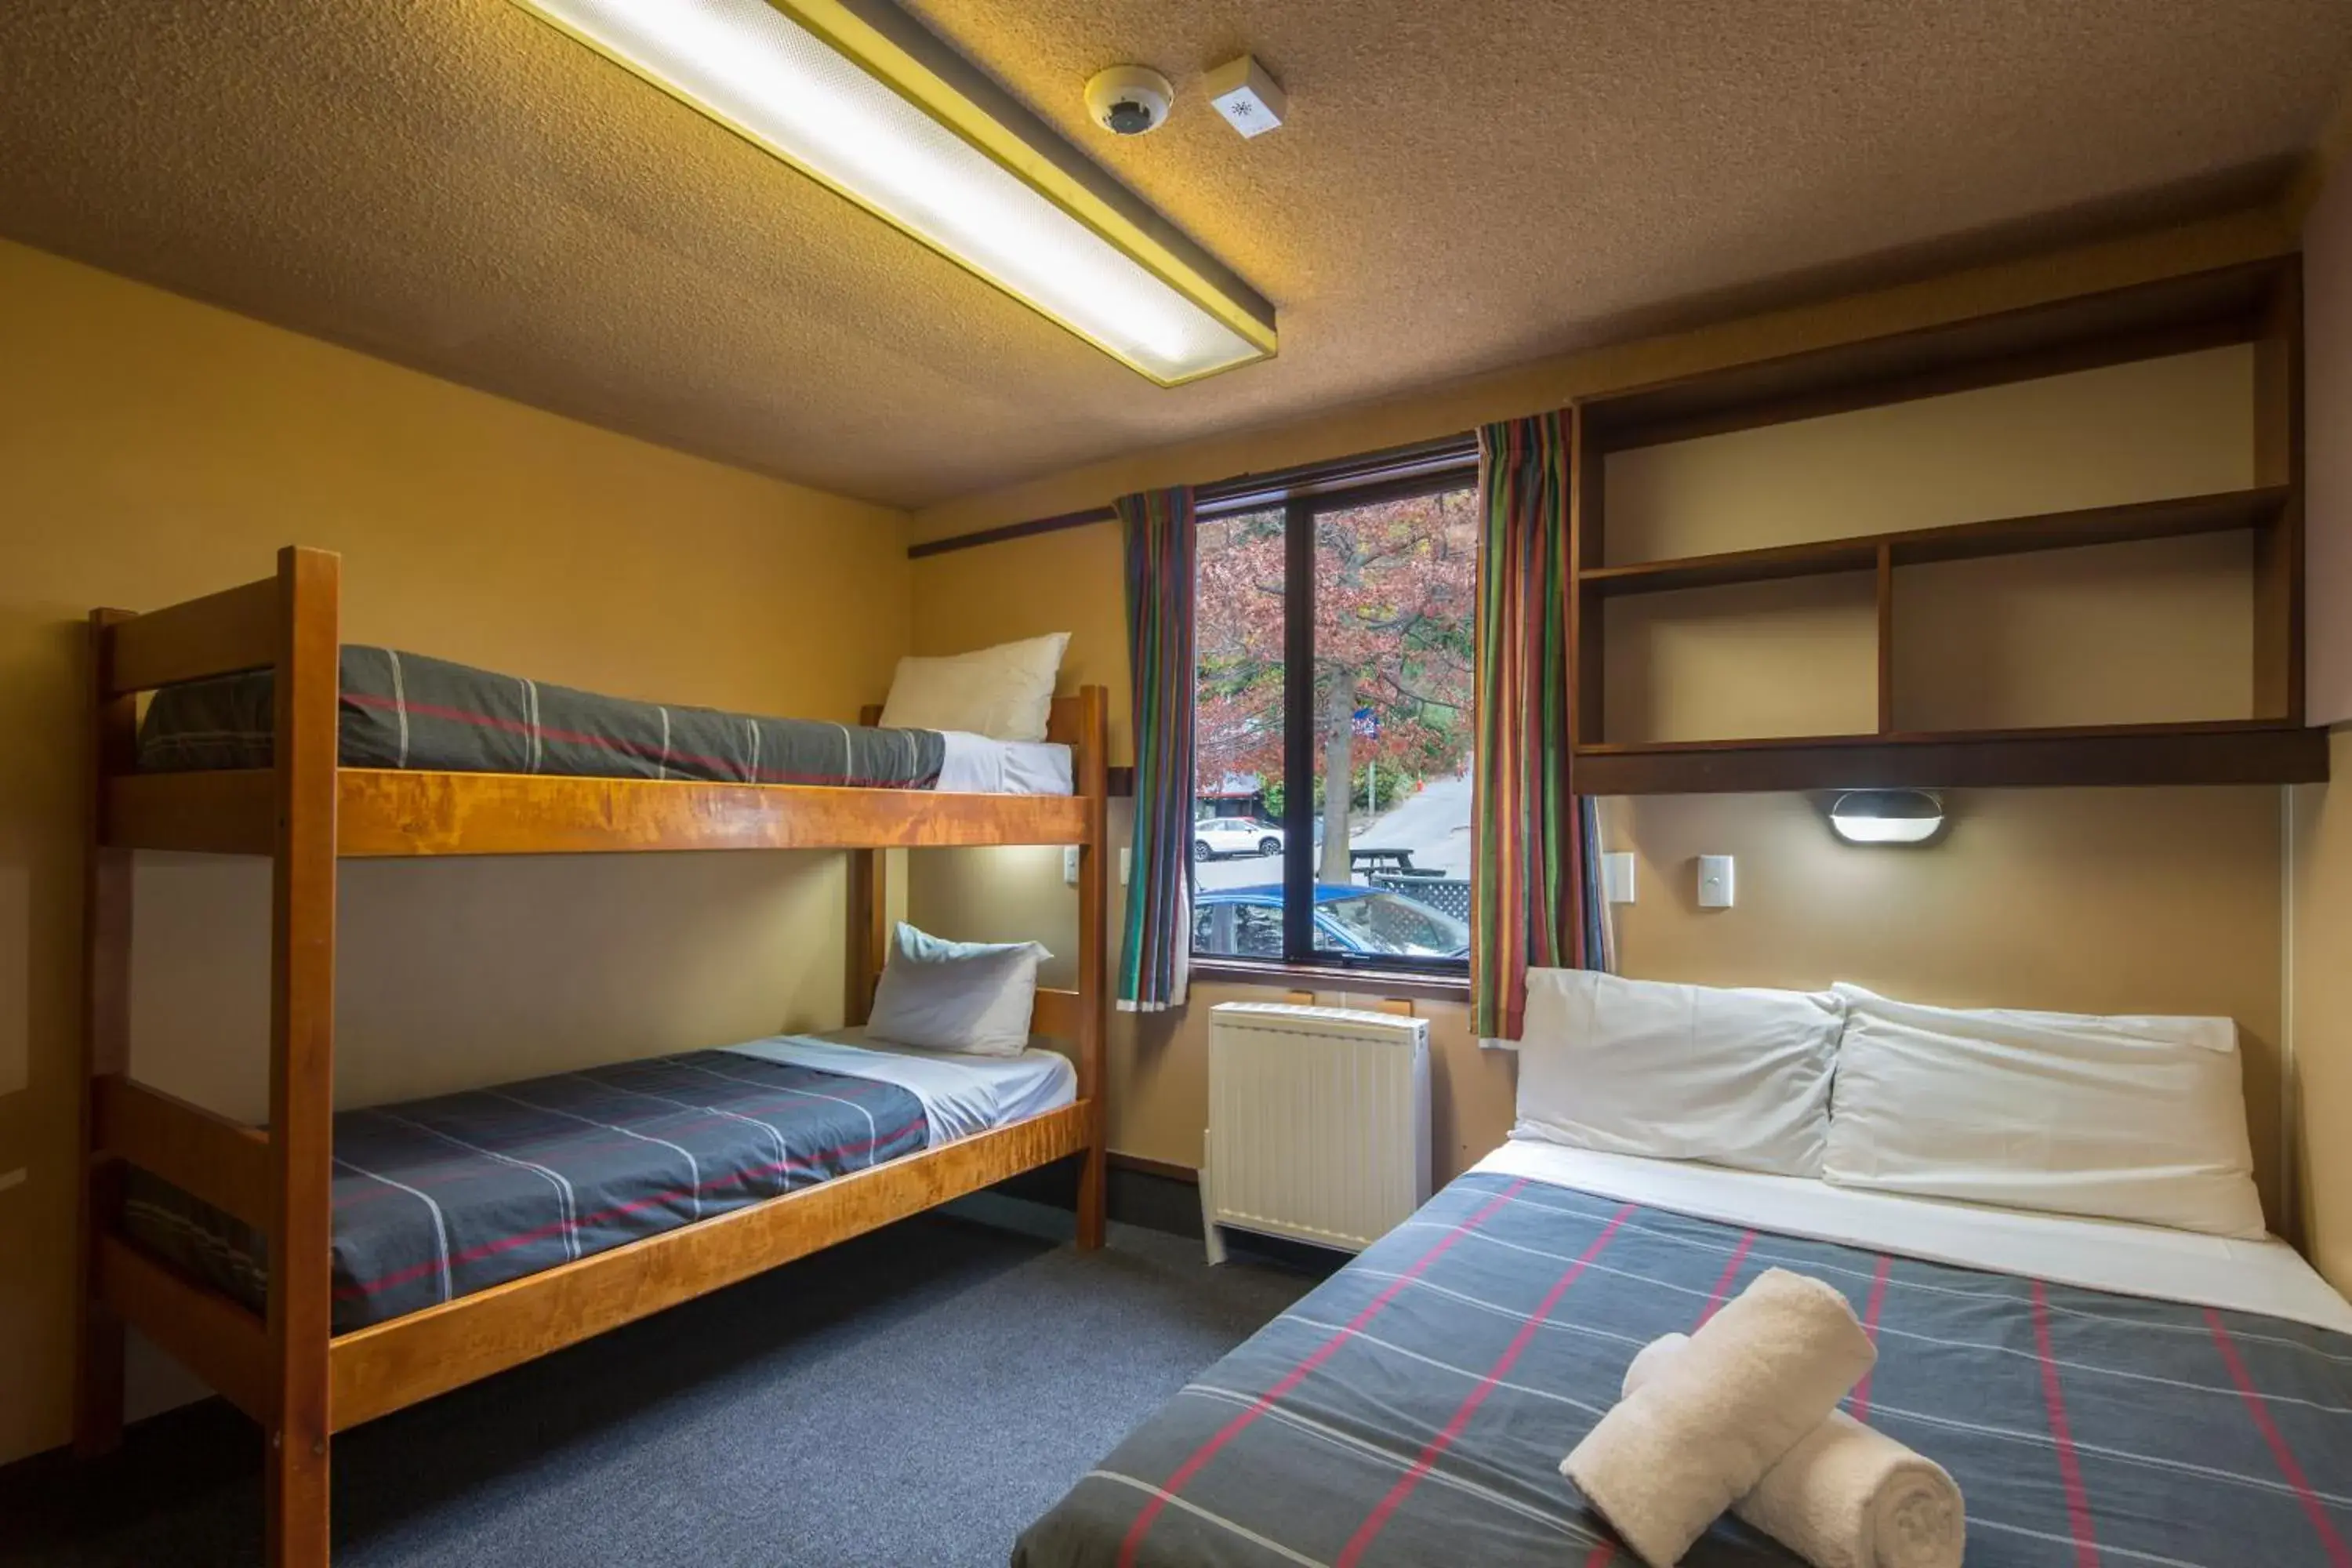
[301, 1054]
[105, 1045]
[869, 906]
[869, 913]
[1094, 992]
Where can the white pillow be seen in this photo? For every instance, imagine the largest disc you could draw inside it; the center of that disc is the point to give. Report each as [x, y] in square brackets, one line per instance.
[2135, 1119]
[1678, 1073]
[1003, 692]
[969, 997]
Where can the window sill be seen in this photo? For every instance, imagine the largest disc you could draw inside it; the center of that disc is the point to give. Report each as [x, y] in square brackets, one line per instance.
[1332, 977]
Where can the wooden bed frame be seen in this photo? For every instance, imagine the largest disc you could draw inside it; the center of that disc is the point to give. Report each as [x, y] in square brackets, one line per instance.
[288, 1369]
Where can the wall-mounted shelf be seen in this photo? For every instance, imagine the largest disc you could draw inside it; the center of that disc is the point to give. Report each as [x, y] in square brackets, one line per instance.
[1960, 541]
[2169, 316]
[2259, 303]
[2224, 752]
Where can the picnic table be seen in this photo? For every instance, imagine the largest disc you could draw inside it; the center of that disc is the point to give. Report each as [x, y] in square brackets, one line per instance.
[1388, 862]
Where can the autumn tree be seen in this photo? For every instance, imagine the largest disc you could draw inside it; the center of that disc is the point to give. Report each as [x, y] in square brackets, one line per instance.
[1393, 611]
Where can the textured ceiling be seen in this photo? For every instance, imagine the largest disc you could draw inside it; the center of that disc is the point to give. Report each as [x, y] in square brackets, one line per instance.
[453, 185]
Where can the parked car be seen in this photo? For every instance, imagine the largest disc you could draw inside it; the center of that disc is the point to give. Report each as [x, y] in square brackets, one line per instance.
[1368, 922]
[1215, 835]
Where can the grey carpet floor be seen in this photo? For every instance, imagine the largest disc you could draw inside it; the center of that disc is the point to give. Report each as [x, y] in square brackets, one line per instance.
[913, 1397]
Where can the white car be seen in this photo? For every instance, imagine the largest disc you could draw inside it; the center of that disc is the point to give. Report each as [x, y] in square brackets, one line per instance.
[1214, 835]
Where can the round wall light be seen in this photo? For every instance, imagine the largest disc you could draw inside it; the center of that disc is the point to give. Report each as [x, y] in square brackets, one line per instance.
[1887, 815]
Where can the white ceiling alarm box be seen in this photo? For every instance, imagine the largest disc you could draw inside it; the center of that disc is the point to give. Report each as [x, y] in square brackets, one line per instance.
[1252, 101]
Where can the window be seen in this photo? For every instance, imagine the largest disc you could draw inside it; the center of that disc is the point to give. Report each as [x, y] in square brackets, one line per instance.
[1334, 648]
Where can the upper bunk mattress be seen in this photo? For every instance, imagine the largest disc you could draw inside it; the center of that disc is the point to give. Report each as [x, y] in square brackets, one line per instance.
[405, 710]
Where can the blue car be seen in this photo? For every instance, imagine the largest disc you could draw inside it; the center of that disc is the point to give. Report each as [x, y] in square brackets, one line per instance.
[1367, 922]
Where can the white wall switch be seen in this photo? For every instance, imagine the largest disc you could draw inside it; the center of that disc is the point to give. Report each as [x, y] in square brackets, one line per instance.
[1070, 865]
[1617, 877]
[1715, 881]
[1125, 859]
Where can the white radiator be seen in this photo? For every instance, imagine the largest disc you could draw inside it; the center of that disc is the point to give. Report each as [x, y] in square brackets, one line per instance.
[1318, 1123]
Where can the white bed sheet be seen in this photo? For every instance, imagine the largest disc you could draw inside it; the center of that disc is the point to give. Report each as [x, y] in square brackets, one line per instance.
[961, 1094]
[974, 764]
[2267, 1277]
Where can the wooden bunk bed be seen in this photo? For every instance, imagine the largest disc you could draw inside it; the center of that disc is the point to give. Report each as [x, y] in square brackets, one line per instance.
[286, 1367]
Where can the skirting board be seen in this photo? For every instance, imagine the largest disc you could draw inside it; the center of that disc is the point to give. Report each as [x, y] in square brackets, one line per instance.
[1155, 1193]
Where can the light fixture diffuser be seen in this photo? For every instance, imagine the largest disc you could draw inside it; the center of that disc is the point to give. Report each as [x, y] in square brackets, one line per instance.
[1887, 815]
[857, 96]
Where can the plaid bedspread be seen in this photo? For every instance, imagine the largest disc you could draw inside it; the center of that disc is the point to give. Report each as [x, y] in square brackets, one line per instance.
[1414, 1408]
[436, 1198]
[405, 710]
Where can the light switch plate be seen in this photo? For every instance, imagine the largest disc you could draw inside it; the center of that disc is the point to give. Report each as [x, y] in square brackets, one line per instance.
[1716, 881]
[1126, 859]
[1617, 877]
[1070, 865]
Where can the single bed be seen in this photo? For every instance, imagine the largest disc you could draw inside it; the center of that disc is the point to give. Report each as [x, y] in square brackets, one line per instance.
[2101, 1392]
[406, 710]
[438, 1198]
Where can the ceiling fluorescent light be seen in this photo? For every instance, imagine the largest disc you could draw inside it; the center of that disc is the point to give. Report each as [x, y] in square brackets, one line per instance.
[857, 95]
[1887, 815]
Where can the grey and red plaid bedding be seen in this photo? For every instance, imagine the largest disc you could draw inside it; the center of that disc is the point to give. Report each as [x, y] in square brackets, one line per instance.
[405, 710]
[436, 1198]
[1414, 1408]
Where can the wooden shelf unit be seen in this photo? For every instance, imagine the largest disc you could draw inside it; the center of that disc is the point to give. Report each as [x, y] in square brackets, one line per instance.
[2258, 303]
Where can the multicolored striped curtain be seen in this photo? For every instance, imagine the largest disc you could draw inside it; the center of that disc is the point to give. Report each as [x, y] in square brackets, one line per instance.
[1535, 904]
[1154, 958]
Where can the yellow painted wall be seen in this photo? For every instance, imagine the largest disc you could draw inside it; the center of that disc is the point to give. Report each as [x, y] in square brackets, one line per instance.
[2321, 868]
[2156, 632]
[1794, 658]
[2321, 1000]
[152, 449]
[2327, 419]
[2165, 899]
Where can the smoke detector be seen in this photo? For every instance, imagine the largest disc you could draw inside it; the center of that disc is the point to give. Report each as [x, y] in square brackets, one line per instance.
[1128, 101]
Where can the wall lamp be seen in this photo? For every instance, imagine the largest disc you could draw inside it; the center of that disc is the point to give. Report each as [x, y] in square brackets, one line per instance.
[1887, 815]
[859, 97]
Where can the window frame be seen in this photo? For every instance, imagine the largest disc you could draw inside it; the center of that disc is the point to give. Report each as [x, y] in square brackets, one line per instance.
[1304, 497]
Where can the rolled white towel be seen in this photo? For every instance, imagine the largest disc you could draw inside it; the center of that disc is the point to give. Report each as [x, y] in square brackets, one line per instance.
[1847, 1496]
[1700, 1433]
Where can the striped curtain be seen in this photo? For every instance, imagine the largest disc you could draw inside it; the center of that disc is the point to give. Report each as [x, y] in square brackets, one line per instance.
[1157, 952]
[1536, 903]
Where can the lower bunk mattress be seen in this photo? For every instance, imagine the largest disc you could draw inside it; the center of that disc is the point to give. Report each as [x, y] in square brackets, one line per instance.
[1414, 1408]
[437, 1198]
